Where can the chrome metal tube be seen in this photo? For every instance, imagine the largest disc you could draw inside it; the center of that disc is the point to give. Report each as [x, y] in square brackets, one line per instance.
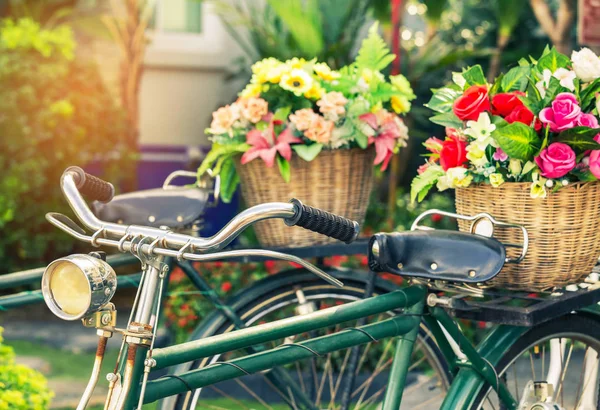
[148, 293]
[171, 239]
[87, 394]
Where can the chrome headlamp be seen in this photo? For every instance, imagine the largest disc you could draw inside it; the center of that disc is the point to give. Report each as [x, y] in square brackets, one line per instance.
[78, 285]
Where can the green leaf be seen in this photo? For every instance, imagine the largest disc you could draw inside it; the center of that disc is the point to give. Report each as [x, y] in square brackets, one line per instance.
[282, 113]
[553, 60]
[421, 184]
[588, 96]
[307, 152]
[518, 141]
[448, 119]
[229, 181]
[495, 89]
[443, 99]
[302, 19]
[584, 176]
[284, 168]
[552, 91]
[374, 53]
[498, 121]
[474, 76]
[579, 138]
[217, 151]
[515, 79]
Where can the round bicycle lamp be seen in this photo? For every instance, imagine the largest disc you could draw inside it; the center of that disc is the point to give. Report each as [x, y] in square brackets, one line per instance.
[78, 285]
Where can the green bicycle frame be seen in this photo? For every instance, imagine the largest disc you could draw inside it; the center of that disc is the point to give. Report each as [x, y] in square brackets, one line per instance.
[471, 375]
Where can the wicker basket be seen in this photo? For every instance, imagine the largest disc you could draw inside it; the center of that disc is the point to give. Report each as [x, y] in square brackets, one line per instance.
[337, 181]
[563, 229]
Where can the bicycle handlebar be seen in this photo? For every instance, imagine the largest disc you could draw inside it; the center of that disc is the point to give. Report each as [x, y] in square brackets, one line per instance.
[168, 243]
[91, 186]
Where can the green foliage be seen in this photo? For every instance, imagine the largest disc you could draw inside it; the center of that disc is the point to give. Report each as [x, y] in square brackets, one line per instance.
[518, 141]
[515, 79]
[325, 29]
[55, 112]
[579, 138]
[474, 75]
[508, 13]
[588, 95]
[308, 152]
[447, 119]
[421, 184]
[374, 53]
[21, 388]
[552, 61]
[442, 99]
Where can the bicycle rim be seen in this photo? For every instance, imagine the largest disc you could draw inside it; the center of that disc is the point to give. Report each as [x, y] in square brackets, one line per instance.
[565, 354]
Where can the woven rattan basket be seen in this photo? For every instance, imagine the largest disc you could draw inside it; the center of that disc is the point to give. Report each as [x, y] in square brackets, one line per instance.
[337, 181]
[563, 229]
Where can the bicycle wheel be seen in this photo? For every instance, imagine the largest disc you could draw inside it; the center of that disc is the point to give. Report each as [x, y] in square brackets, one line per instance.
[564, 353]
[321, 379]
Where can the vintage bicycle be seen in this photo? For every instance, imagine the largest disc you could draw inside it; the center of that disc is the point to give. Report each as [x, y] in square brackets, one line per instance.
[555, 337]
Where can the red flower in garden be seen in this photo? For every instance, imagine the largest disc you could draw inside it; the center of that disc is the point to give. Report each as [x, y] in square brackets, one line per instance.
[226, 286]
[177, 275]
[473, 102]
[271, 267]
[182, 322]
[453, 153]
[437, 218]
[265, 144]
[504, 103]
[296, 265]
[364, 261]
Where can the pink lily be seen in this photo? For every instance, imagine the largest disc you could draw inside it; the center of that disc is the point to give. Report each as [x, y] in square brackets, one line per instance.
[266, 145]
[385, 141]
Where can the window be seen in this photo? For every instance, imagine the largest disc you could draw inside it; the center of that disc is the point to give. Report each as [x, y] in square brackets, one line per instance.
[187, 33]
[177, 16]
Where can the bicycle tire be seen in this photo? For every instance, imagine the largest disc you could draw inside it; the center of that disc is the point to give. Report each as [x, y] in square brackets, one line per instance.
[579, 327]
[267, 292]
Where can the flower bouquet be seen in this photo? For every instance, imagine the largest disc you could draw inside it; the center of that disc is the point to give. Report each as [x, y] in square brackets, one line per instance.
[525, 149]
[301, 129]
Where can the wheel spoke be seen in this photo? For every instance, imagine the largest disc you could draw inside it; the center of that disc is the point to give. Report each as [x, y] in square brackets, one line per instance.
[250, 392]
[563, 374]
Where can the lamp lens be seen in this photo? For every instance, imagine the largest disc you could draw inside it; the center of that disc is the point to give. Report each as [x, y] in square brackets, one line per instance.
[70, 288]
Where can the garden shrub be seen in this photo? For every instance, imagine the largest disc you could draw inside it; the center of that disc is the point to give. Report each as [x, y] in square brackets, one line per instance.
[54, 112]
[21, 388]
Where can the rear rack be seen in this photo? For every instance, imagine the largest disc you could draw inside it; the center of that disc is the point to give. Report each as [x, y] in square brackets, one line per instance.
[521, 308]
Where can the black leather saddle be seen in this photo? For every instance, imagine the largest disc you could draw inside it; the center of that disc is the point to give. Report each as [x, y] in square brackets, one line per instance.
[437, 255]
[176, 208]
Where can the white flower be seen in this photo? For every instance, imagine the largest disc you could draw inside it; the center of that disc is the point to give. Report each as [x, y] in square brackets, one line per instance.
[481, 130]
[459, 79]
[476, 155]
[566, 78]
[455, 178]
[586, 64]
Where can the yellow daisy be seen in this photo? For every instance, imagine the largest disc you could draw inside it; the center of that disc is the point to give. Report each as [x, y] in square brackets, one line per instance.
[268, 70]
[296, 81]
[251, 90]
[325, 73]
[296, 63]
[315, 92]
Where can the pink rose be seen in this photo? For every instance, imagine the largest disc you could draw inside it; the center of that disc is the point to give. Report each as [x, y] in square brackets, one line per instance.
[563, 114]
[556, 160]
[594, 163]
[587, 120]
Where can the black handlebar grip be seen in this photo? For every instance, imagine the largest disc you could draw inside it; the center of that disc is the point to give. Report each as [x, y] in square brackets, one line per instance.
[323, 222]
[92, 187]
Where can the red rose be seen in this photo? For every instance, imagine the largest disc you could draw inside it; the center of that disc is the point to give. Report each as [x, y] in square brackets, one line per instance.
[226, 287]
[520, 114]
[453, 153]
[503, 104]
[472, 103]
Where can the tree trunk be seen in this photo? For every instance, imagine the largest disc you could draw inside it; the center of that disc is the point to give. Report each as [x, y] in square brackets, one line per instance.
[559, 28]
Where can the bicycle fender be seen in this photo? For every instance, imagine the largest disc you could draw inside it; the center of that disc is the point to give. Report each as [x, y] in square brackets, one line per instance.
[468, 382]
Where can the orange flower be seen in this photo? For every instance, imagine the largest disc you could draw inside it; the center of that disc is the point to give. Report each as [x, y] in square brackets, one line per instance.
[303, 119]
[224, 118]
[320, 130]
[332, 105]
[253, 109]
